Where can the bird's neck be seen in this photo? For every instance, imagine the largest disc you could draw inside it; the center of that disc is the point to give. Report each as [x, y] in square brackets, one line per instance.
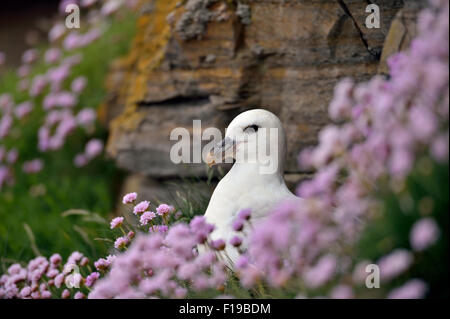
[255, 173]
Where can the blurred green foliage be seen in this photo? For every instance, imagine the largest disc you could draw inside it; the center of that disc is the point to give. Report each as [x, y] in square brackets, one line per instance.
[425, 193]
[39, 200]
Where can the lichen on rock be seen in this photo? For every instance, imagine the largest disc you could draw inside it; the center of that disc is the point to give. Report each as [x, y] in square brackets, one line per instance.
[198, 13]
[243, 12]
[192, 23]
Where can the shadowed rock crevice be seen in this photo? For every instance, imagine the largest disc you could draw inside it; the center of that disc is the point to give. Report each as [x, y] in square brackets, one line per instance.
[178, 100]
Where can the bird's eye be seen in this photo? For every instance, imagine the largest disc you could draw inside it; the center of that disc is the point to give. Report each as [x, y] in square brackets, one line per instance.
[251, 129]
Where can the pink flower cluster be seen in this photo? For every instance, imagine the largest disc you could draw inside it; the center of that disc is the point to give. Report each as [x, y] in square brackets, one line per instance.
[46, 278]
[164, 265]
[385, 125]
[164, 262]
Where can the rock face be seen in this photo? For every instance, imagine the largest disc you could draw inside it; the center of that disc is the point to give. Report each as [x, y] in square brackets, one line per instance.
[212, 59]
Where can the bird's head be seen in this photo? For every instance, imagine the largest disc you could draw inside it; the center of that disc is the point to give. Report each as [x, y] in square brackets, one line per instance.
[254, 136]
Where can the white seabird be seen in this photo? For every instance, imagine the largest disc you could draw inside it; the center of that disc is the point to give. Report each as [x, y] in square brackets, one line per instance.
[254, 182]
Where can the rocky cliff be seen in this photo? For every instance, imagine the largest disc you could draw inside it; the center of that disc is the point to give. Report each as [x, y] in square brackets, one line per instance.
[212, 59]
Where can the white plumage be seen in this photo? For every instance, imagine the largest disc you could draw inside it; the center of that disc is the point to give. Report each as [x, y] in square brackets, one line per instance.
[246, 185]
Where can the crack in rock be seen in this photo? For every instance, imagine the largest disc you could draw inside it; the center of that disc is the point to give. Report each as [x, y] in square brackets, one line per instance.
[361, 34]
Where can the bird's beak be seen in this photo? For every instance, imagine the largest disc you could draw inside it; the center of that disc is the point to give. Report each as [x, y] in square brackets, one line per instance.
[221, 152]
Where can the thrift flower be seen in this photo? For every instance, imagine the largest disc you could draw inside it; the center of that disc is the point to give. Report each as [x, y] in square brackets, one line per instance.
[218, 244]
[129, 198]
[424, 233]
[78, 84]
[236, 241]
[121, 242]
[141, 207]
[146, 217]
[30, 56]
[33, 166]
[238, 224]
[91, 279]
[65, 294]
[23, 109]
[80, 160]
[93, 148]
[244, 214]
[164, 209]
[117, 222]
[52, 55]
[413, 289]
[79, 295]
[394, 263]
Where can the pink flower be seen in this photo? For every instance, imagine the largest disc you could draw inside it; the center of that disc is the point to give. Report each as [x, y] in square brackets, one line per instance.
[92, 278]
[413, 289]
[102, 264]
[30, 56]
[164, 209]
[394, 264]
[6, 101]
[340, 106]
[342, 292]
[439, 148]
[79, 295]
[86, 117]
[33, 166]
[322, 272]
[6, 123]
[38, 85]
[52, 273]
[146, 217]
[12, 156]
[65, 294]
[121, 242]
[84, 261]
[141, 207]
[201, 228]
[59, 279]
[55, 259]
[93, 148]
[52, 55]
[80, 160]
[74, 258]
[62, 99]
[129, 198]
[116, 222]
[87, 3]
[424, 233]
[159, 229]
[23, 71]
[23, 109]
[72, 41]
[78, 84]
[57, 75]
[56, 32]
[25, 292]
[110, 7]
[218, 244]
[236, 241]
[238, 224]
[244, 214]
